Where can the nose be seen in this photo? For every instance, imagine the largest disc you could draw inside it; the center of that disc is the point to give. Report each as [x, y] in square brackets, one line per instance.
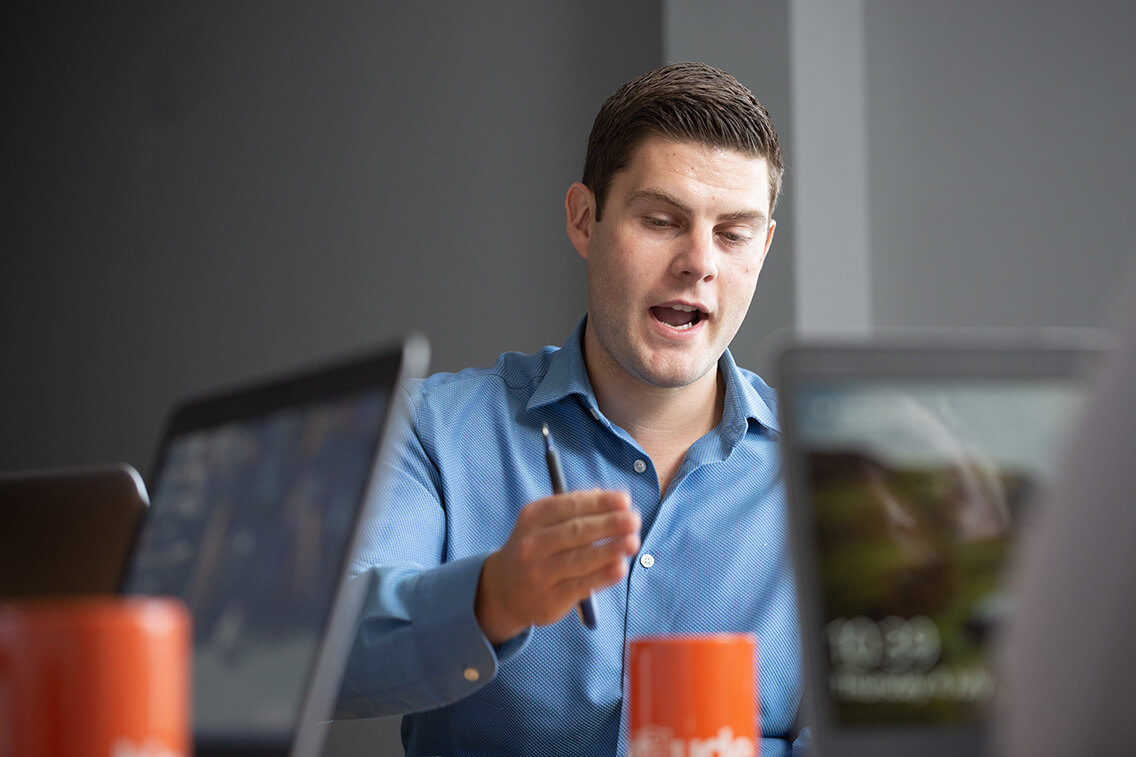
[696, 258]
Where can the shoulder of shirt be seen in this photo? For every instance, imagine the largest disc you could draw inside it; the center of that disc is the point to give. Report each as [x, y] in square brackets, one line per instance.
[515, 372]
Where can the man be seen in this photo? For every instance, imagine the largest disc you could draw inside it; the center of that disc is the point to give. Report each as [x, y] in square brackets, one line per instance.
[676, 521]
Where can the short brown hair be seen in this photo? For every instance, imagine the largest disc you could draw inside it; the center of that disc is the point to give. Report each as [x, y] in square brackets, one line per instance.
[689, 102]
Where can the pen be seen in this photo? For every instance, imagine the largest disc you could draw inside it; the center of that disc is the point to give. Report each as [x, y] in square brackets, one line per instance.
[586, 609]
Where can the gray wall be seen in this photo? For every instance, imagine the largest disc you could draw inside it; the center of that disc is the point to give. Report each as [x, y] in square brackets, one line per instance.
[985, 164]
[1001, 160]
[200, 193]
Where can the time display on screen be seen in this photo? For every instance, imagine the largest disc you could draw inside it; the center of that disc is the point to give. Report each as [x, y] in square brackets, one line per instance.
[893, 644]
[899, 661]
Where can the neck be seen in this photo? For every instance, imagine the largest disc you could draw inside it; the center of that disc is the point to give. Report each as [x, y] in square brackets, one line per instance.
[665, 421]
[647, 411]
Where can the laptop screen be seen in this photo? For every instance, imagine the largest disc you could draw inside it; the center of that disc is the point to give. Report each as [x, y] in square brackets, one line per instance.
[249, 525]
[916, 487]
[255, 502]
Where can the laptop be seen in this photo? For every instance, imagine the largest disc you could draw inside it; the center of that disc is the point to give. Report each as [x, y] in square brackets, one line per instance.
[48, 517]
[255, 501]
[911, 467]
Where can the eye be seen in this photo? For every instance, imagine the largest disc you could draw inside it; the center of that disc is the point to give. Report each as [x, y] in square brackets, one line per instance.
[657, 223]
[735, 238]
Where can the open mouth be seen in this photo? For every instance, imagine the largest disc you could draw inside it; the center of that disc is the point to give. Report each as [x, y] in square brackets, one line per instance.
[680, 317]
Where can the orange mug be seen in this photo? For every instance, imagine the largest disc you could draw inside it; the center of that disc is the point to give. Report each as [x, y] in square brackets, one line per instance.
[94, 676]
[694, 694]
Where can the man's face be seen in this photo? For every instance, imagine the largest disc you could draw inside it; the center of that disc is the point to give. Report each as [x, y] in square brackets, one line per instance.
[673, 264]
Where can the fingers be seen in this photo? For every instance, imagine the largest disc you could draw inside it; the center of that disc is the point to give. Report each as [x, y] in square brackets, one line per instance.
[601, 578]
[603, 530]
[561, 507]
[561, 548]
[588, 529]
[577, 564]
[577, 519]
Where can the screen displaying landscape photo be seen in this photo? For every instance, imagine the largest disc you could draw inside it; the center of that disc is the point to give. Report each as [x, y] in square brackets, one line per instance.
[917, 490]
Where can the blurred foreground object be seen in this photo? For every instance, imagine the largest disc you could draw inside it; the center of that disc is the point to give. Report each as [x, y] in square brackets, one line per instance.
[94, 676]
[67, 532]
[911, 461]
[1070, 676]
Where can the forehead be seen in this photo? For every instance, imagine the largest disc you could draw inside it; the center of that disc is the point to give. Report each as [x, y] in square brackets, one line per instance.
[696, 173]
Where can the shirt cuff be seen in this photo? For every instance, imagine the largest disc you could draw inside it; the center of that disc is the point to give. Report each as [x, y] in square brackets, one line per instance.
[458, 658]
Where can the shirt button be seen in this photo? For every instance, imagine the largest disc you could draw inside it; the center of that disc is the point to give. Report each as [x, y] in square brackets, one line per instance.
[647, 559]
[639, 466]
[471, 675]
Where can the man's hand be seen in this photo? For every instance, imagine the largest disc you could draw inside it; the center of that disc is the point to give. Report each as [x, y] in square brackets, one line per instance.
[561, 548]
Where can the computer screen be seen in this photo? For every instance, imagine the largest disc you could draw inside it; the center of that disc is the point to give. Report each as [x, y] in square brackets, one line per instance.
[917, 489]
[250, 523]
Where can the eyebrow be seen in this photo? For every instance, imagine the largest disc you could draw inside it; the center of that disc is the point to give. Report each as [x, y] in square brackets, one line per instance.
[661, 196]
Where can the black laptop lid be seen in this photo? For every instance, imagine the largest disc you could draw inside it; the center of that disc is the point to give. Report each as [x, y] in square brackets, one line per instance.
[910, 467]
[256, 497]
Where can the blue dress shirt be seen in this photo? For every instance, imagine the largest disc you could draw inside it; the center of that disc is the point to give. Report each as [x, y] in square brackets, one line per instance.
[714, 557]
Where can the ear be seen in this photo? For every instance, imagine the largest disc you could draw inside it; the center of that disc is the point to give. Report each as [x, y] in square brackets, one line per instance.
[580, 210]
[768, 239]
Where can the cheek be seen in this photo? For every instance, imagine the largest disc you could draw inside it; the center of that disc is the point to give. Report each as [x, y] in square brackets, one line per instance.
[606, 286]
[742, 290]
[621, 269]
[744, 275]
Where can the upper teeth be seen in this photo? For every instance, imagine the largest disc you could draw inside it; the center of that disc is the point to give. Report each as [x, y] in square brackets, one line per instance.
[684, 308]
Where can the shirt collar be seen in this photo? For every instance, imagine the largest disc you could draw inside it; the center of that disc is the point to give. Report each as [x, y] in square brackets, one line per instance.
[743, 401]
[568, 376]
